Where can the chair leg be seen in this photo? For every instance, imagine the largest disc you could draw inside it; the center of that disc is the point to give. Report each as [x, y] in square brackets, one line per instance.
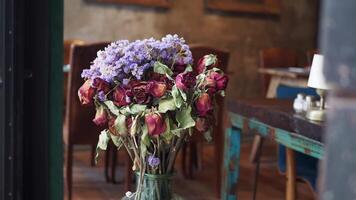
[69, 168]
[257, 169]
[113, 164]
[291, 175]
[93, 153]
[256, 145]
[107, 161]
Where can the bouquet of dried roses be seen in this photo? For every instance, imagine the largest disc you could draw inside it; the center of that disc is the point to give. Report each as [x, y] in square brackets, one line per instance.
[150, 98]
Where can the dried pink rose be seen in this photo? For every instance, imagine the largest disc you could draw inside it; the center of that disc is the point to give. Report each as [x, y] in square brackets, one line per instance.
[100, 116]
[86, 93]
[220, 80]
[157, 89]
[203, 104]
[155, 123]
[209, 84]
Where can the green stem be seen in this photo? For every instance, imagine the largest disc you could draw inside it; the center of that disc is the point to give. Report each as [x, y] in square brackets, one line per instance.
[175, 151]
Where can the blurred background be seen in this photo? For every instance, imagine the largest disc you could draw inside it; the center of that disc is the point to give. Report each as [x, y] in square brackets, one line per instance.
[243, 34]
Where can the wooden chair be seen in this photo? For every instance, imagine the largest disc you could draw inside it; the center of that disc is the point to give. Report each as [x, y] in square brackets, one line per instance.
[276, 58]
[198, 51]
[78, 127]
[66, 58]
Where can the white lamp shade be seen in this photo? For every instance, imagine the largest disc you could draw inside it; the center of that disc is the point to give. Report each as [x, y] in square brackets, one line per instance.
[316, 77]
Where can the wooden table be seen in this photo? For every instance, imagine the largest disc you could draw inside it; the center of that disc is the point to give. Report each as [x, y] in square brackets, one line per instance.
[274, 119]
[295, 77]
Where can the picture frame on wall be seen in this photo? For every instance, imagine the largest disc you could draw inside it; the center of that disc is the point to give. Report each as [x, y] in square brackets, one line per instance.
[149, 3]
[266, 7]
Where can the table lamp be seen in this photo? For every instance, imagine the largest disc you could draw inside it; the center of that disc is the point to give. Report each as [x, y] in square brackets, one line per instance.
[318, 81]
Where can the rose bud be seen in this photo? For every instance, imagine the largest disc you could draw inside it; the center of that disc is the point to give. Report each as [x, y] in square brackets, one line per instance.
[101, 85]
[139, 92]
[119, 97]
[157, 89]
[185, 80]
[155, 123]
[202, 124]
[203, 104]
[100, 116]
[206, 62]
[221, 80]
[86, 93]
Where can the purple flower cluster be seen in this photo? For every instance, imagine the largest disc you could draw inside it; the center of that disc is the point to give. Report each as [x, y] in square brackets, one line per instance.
[123, 60]
[153, 161]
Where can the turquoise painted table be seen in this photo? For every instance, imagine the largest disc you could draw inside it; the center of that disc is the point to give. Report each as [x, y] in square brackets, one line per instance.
[272, 119]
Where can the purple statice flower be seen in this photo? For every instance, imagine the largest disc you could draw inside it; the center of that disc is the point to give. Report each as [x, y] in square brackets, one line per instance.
[123, 60]
[101, 96]
[153, 161]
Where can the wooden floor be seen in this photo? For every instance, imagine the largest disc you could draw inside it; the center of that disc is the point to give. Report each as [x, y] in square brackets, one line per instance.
[89, 182]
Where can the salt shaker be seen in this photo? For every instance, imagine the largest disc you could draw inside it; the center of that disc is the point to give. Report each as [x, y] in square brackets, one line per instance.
[298, 103]
[308, 103]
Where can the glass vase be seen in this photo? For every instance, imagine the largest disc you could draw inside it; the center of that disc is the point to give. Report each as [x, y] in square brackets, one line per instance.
[154, 187]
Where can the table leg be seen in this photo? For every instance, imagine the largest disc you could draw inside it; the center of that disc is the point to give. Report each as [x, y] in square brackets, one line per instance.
[272, 87]
[230, 171]
[291, 175]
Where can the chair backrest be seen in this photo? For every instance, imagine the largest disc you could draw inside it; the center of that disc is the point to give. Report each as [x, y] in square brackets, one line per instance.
[276, 58]
[66, 47]
[81, 129]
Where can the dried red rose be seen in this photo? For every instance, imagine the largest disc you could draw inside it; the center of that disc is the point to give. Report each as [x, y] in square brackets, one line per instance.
[185, 80]
[101, 85]
[119, 97]
[138, 92]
